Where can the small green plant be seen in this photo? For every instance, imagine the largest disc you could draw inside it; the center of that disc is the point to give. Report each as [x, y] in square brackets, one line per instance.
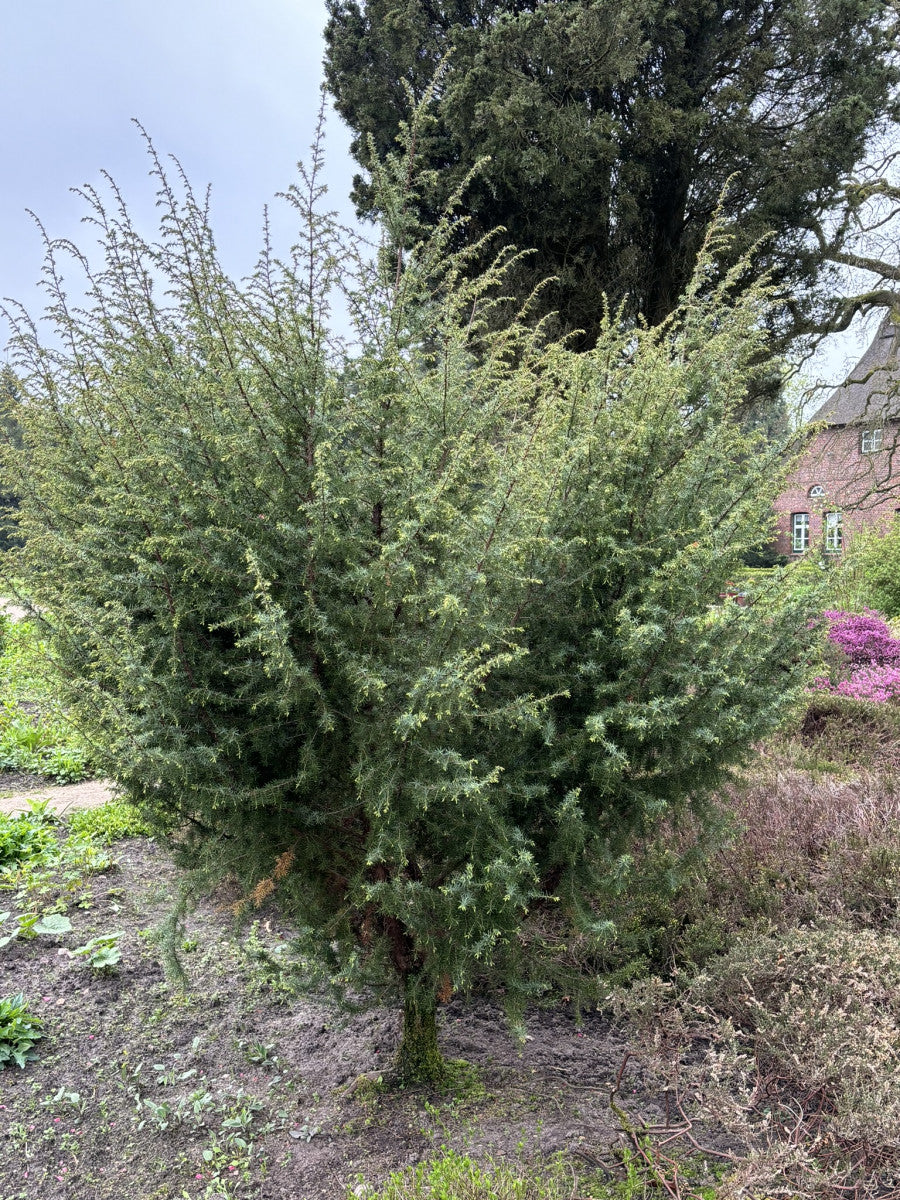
[24, 839]
[197, 1104]
[161, 1113]
[241, 1112]
[20, 1031]
[259, 1053]
[305, 1132]
[40, 812]
[35, 735]
[30, 925]
[102, 952]
[64, 764]
[65, 1101]
[128, 1074]
[221, 1158]
[62, 871]
[109, 823]
[40, 745]
[169, 1076]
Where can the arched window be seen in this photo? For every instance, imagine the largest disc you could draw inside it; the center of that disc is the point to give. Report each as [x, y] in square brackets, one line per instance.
[816, 492]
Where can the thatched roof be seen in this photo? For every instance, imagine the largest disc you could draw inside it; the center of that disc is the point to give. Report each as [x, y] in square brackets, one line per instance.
[872, 390]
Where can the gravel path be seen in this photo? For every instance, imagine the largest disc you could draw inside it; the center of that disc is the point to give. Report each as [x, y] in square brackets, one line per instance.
[90, 794]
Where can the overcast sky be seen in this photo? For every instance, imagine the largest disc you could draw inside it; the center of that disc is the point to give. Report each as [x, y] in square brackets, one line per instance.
[229, 87]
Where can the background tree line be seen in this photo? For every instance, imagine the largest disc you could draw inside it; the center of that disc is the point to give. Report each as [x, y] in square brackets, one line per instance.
[615, 131]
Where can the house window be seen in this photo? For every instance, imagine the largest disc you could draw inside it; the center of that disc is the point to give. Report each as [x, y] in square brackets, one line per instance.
[816, 492]
[799, 532]
[870, 440]
[834, 533]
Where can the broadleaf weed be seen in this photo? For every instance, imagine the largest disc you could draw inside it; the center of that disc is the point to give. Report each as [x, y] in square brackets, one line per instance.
[20, 1031]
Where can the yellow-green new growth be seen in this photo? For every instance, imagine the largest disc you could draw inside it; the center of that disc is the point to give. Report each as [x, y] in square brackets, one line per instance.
[410, 639]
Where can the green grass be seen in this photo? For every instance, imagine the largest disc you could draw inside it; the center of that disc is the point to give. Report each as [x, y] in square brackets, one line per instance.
[453, 1176]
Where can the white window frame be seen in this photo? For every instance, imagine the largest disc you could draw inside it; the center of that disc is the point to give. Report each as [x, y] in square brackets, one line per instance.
[871, 440]
[799, 532]
[833, 524]
[816, 492]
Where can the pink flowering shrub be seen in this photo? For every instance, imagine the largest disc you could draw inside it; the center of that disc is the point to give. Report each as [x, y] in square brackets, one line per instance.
[865, 683]
[869, 666]
[865, 637]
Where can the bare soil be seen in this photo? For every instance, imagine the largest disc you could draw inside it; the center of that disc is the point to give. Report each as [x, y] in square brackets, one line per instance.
[14, 782]
[233, 1087]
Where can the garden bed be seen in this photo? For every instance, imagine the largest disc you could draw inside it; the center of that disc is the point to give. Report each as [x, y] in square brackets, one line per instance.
[233, 1086]
[759, 1075]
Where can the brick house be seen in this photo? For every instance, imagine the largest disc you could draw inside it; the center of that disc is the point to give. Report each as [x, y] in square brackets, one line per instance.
[847, 478]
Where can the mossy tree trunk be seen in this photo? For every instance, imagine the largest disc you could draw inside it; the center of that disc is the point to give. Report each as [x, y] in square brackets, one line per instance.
[419, 1059]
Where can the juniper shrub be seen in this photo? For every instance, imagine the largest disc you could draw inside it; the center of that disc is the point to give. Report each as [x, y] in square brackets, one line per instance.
[408, 637]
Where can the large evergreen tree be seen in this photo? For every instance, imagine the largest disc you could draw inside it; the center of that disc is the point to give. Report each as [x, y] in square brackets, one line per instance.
[410, 641]
[614, 128]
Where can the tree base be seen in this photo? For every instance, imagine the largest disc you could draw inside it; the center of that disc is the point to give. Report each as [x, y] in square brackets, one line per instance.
[419, 1059]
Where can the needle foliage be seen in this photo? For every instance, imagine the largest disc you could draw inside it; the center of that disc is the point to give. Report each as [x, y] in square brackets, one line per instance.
[411, 640]
[616, 131]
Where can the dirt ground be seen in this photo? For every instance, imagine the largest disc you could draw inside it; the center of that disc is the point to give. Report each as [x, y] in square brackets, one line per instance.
[235, 1087]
